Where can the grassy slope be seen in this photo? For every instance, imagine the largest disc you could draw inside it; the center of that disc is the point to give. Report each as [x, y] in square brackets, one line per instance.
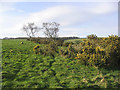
[74, 40]
[22, 68]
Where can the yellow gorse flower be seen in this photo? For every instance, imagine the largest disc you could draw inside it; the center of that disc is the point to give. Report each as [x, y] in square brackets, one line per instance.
[93, 56]
[98, 48]
[36, 47]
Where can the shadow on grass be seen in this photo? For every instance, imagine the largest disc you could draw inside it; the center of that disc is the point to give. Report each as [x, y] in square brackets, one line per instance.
[109, 68]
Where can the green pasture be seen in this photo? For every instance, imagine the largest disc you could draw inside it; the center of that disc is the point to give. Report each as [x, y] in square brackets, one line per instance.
[74, 40]
[22, 68]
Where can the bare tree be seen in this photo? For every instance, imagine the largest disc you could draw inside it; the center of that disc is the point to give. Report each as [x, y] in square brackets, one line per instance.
[51, 29]
[31, 29]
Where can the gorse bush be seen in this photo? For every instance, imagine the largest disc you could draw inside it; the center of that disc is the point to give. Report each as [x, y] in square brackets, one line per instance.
[92, 51]
[113, 51]
[49, 50]
[95, 51]
[52, 46]
[102, 52]
[68, 52]
[36, 49]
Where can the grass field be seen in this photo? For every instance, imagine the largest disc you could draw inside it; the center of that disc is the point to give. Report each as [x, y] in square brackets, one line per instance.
[21, 68]
[74, 40]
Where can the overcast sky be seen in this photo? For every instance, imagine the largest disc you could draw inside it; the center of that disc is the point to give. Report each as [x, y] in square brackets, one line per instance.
[76, 19]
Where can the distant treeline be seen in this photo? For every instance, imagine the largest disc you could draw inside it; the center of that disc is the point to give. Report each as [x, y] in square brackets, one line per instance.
[59, 38]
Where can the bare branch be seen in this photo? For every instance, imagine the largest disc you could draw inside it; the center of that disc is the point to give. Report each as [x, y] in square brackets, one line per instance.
[31, 29]
[51, 29]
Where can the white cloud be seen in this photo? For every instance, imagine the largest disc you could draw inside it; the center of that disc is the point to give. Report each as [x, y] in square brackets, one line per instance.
[4, 7]
[67, 15]
[20, 11]
[104, 8]
[8, 22]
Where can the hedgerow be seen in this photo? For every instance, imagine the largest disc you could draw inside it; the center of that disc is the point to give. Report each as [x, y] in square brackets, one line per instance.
[91, 51]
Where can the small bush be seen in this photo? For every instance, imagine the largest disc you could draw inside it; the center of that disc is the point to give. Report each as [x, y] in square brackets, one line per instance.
[92, 36]
[48, 50]
[68, 52]
[66, 44]
[59, 42]
[43, 41]
[36, 49]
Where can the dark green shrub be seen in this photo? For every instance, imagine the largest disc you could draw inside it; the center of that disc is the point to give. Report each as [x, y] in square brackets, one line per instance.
[48, 50]
[66, 44]
[52, 46]
[59, 42]
[113, 51]
[92, 36]
[44, 41]
[63, 52]
[68, 52]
